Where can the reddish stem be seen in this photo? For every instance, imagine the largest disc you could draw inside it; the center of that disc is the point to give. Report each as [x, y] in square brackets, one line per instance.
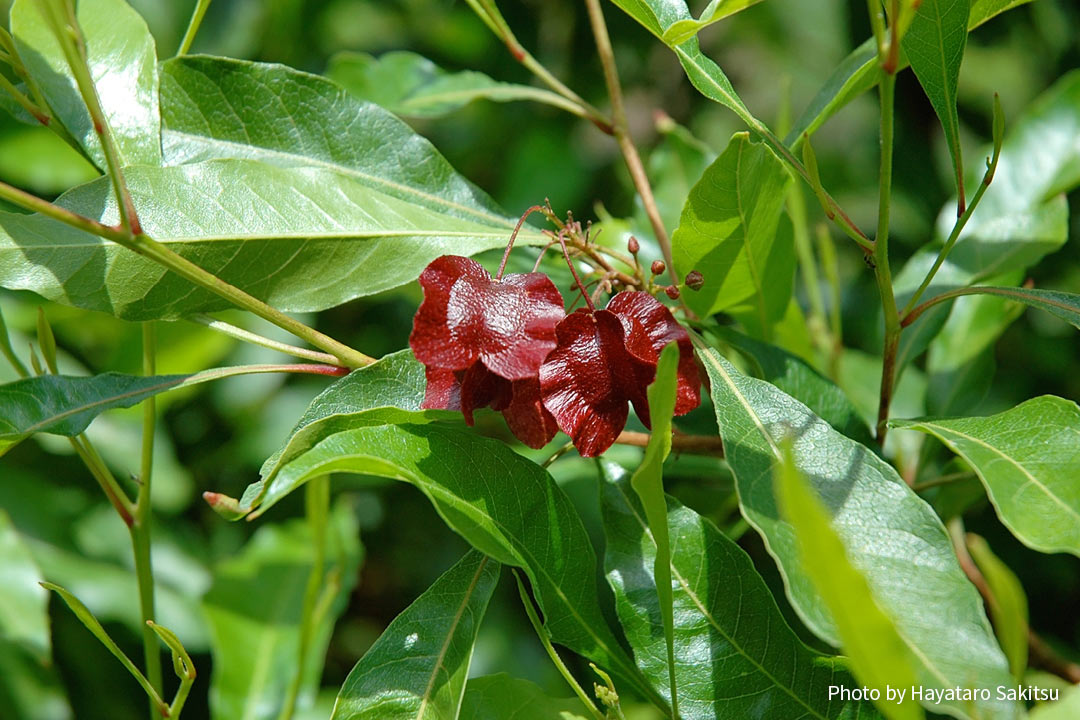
[561, 237]
[513, 236]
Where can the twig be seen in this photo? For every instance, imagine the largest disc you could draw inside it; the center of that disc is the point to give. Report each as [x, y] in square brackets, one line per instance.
[255, 339]
[193, 27]
[882, 273]
[699, 444]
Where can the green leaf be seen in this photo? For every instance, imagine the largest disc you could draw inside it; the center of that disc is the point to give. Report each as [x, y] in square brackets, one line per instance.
[1009, 611]
[411, 85]
[502, 504]
[1067, 708]
[794, 376]
[731, 664]
[860, 72]
[934, 44]
[648, 482]
[291, 119]
[887, 530]
[302, 239]
[876, 653]
[24, 605]
[682, 30]
[388, 391]
[64, 405]
[254, 610]
[418, 666]
[728, 232]
[1062, 304]
[1027, 459]
[123, 61]
[501, 697]
[29, 689]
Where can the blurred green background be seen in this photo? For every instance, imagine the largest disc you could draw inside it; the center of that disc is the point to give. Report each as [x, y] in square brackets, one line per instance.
[777, 54]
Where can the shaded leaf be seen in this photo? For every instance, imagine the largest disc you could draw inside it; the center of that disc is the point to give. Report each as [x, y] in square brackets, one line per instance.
[411, 85]
[794, 376]
[65, 405]
[1062, 304]
[300, 238]
[418, 666]
[501, 697]
[29, 690]
[934, 44]
[876, 653]
[728, 232]
[983, 10]
[887, 530]
[1066, 708]
[254, 611]
[1009, 611]
[502, 504]
[1028, 458]
[123, 62]
[731, 664]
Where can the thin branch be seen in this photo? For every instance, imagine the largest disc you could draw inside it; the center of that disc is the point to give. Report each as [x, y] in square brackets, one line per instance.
[622, 135]
[193, 27]
[697, 444]
[255, 339]
[882, 273]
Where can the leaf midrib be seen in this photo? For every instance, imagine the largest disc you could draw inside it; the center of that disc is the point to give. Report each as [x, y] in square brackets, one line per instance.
[441, 657]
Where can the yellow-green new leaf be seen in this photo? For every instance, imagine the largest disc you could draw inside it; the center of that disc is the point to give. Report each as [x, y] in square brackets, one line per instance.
[1029, 459]
[878, 656]
[648, 482]
[1009, 610]
[682, 30]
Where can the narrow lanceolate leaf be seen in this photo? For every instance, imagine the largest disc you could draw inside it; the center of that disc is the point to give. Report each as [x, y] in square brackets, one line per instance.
[417, 668]
[388, 391]
[1009, 610]
[291, 118]
[411, 85]
[886, 529]
[254, 611]
[731, 664]
[502, 504]
[1065, 305]
[682, 30]
[728, 232]
[876, 652]
[123, 63]
[65, 405]
[934, 44]
[302, 239]
[24, 605]
[1028, 458]
[501, 697]
[648, 482]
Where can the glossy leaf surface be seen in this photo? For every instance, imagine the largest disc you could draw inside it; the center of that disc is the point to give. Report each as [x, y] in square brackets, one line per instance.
[730, 664]
[417, 668]
[887, 530]
[254, 613]
[123, 63]
[504, 505]
[728, 232]
[299, 238]
[876, 653]
[1028, 458]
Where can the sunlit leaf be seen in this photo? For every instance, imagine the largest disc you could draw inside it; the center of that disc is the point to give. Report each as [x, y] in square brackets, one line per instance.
[731, 664]
[682, 30]
[728, 232]
[123, 63]
[1028, 458]
[886, 529]
[876, 653]
[417, 668]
